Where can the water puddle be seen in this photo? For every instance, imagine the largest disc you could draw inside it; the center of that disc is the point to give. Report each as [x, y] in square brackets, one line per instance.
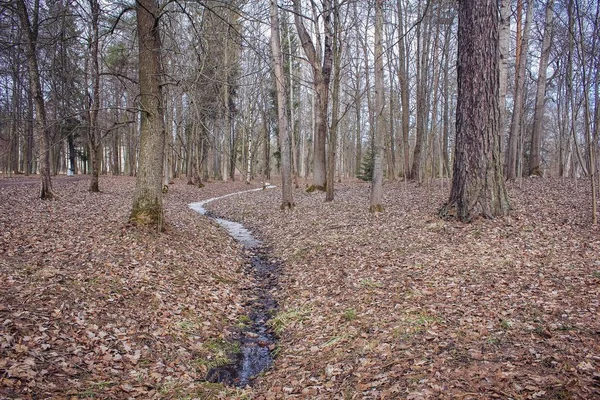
[256, 340]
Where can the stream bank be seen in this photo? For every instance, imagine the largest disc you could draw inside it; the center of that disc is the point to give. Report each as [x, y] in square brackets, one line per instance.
[255, 339]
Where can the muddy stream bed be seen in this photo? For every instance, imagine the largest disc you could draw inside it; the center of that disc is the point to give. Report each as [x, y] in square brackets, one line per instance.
[256, 340]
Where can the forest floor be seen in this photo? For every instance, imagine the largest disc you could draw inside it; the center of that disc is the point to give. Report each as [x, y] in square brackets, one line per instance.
[398, 305]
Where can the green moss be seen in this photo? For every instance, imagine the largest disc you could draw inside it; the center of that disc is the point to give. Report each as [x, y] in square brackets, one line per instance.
[151, 216]
[376, 208]
[244, 321]
[287, 205]
[218, 353]
[315, 188]
[282, 320]
[505, 324]
[350, 314]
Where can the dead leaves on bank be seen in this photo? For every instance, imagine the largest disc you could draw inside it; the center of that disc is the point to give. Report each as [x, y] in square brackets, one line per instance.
[404, 305]
[92, 309]
[400, 305]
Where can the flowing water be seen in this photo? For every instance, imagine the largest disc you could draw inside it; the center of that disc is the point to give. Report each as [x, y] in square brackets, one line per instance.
[256, 341]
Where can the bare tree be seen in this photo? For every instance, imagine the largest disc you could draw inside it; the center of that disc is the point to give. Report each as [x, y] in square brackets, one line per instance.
[320, 57]
[379, 143]
[30, 25]
[512, 156]
[93, 130]
[403, 78]
[540, 98]
[287, 201]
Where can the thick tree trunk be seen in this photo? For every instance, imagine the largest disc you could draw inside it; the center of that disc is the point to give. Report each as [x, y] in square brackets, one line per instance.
[147, 203]
[40, 127]
[379, 142]
[287, 201]
[540, 97]
[477, 183]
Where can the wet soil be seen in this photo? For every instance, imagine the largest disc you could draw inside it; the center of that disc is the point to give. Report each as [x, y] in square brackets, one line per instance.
[256, 339]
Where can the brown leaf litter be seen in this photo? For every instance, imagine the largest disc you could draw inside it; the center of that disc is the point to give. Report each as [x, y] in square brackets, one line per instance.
[397, 305]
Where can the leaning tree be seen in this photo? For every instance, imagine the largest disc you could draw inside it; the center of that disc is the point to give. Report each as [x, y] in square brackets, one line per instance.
[477, 181]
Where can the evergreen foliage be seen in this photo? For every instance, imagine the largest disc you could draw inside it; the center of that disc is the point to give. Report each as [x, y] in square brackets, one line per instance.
[366, 166]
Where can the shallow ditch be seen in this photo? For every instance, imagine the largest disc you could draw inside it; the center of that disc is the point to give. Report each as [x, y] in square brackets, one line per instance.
[256, 340]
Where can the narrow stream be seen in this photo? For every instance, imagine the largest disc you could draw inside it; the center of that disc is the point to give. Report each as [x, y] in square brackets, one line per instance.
[256, 340]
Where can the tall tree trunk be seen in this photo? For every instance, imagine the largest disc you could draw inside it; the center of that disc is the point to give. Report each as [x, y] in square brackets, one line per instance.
[477, 183]
[423, 42]
[93, 131]
[379, 142]
[404, 90]
[321, 78]
[446, 108]
[30, 27]
[335, 99]
[540, 97]
[512, 153]
[504, 37]
[29, 169]
[147, 203]
[287, 201]
[586, 82]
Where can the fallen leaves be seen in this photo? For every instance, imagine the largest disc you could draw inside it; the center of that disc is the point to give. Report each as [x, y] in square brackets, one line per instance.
[91, 308]
[397, 306]
[493, 309]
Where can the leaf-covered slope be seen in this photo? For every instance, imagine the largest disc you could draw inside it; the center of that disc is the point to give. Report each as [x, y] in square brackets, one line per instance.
[92, 308]
[405, 305]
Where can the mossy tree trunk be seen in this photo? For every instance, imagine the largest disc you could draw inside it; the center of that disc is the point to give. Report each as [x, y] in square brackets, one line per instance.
[147, 203]
[477, 182]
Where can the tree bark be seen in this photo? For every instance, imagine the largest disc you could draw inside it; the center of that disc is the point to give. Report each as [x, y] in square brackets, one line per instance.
[335, 99]
[93, 131]
[379, 142]
[287, 201]
[423, 43]
[504, 34]
[404, 91]
[321, 78]
[540, 97]
[40, 127]
[147, 204]
[477, 183]
[512, 153]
